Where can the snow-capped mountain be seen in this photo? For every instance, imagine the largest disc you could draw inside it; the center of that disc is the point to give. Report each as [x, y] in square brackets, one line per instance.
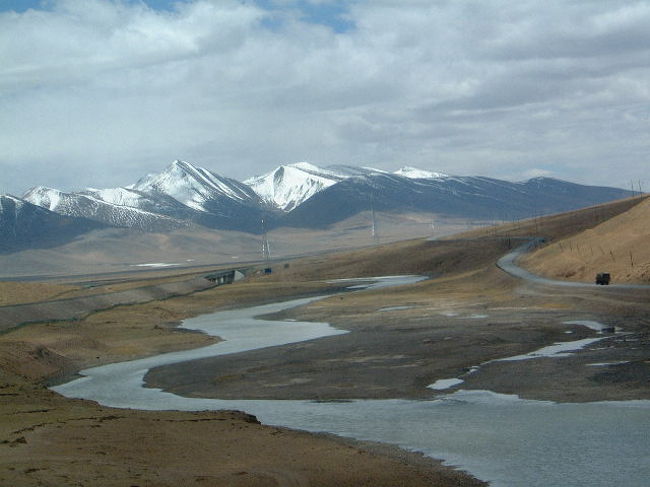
[178, 196]
[476, 198]
[115, 207]
[196, 187]
[24, 225]
[298, 195]
[288, 186]
[206, 198]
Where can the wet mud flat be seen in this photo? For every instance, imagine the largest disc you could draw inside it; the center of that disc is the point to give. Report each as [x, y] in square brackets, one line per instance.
[398, 356]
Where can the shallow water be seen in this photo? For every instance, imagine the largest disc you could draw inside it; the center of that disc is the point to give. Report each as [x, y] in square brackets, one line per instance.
[503, 439]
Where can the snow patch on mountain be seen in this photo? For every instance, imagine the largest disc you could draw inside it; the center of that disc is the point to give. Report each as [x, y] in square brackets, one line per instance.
[354, 171]
[116, 196]
[288, 186]
[415, 173]
[44, 197]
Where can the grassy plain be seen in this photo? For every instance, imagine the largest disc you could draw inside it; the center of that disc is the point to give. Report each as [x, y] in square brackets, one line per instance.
[31, 292]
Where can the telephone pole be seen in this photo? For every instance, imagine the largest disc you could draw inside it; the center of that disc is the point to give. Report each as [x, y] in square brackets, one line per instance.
[375, 235]
[266, 251]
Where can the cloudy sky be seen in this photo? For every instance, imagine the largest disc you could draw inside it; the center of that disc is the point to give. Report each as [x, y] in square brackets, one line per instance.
[100, 92]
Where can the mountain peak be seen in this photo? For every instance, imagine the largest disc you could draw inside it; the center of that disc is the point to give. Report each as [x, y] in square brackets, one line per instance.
[179, 164]
[193, 186]
[289, 185]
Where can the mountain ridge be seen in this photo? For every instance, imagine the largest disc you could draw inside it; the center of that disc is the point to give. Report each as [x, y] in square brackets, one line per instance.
[303, 195]
[25, 225]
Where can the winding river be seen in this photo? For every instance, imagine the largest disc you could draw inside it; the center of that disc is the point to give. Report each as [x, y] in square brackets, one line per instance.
[502, 439]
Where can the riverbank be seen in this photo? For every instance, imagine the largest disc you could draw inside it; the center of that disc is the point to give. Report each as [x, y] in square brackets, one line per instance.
[49, 440]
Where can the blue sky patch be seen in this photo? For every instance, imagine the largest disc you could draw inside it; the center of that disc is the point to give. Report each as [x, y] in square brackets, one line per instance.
[331, 14]
[23, 5]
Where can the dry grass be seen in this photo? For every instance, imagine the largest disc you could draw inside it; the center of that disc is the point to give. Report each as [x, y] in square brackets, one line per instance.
[120, 249]
[450, 255]
[422, 257]
[16, 292]
[619, 245]
[129, 281]
[32, 292]
[555, 227]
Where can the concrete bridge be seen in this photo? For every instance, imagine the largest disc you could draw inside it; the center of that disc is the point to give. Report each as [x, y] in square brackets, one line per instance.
[224, 277]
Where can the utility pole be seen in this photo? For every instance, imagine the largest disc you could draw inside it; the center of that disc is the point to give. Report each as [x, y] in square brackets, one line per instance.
[375, 235]
[266, 251]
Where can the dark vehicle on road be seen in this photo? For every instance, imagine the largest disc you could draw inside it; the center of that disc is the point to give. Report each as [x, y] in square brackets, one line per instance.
[603, 278]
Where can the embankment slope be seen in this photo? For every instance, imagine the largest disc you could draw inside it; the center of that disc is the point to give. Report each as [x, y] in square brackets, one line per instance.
[619, 245]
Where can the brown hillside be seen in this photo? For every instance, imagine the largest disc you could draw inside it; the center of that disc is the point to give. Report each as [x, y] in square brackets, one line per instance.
[620, 246]
[557, 226]
[477, 249]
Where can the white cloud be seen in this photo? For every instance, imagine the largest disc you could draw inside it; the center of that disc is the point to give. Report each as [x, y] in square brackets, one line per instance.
[98, 92]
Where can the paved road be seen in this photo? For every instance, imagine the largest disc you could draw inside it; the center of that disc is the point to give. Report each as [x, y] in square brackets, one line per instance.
[508, 263]
[124, 274]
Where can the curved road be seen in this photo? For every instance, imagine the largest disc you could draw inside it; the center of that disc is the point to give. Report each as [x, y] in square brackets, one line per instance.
[508, 263]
